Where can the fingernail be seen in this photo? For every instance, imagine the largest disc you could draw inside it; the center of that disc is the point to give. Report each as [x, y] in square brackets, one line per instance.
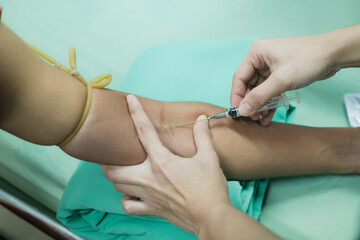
[245, 109]
[202, 117]
[130, 98]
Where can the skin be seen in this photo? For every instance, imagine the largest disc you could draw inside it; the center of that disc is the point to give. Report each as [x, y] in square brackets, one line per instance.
[47, 113]
[43, 105]
[98, 142]
[37, 101]
[171, 186]
[273, 66]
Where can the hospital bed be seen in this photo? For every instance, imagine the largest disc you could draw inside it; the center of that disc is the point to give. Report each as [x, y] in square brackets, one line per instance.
[110, 35]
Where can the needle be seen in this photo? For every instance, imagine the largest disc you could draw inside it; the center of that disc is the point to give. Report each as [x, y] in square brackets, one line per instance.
[182, 124]
[273, 103]
[215, 116]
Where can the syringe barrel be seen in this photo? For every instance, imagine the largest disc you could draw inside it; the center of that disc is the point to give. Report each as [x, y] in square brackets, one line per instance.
[274, 102]
[282, 100]
[293, 97]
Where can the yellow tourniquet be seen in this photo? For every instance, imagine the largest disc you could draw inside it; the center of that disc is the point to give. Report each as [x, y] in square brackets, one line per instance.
[99, 82]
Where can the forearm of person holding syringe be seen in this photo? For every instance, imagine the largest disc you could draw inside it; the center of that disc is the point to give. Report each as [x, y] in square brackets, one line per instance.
[273, 66]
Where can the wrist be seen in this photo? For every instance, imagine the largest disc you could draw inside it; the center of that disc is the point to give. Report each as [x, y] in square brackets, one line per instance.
[347, 154]
[341, 155]
[345, 43]
[213, 219]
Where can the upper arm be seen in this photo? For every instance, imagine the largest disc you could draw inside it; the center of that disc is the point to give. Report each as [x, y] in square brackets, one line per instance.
[38, 102]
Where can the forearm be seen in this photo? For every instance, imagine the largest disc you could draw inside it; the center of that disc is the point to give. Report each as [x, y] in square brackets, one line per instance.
[344, 44]
[38, 102]
[227, 222]
[250, 151]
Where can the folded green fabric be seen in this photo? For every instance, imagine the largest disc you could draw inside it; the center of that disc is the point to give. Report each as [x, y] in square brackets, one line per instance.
[91, 206]
[192, 70]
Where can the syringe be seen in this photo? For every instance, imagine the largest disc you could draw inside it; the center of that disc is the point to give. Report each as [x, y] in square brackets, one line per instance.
[274, 102]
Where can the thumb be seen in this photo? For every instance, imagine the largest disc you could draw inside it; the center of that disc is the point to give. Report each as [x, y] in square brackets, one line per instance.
[134, 206]
[260, 95]
[202, 135]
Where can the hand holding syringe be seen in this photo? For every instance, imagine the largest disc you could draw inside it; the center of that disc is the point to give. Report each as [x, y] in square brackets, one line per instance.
[275, 102]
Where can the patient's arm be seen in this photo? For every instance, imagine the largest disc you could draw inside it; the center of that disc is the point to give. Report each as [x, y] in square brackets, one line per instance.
[246, 149]
[43, 105]
[38, 102]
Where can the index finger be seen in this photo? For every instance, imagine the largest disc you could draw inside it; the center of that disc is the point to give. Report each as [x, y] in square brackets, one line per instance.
[242, 75]
[145, 129]
[125, 174]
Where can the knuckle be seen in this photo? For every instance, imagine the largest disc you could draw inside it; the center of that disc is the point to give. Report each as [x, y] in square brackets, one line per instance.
[255, 99]
[235, 76]
[111, 175]
[161, 158]
[134, 110]
[278, 78]
[129, 209]
[281, 79]
[146, 181]
[257, 43]
[158, 164]
[160, 167]
[118, 188]
[143, 127]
